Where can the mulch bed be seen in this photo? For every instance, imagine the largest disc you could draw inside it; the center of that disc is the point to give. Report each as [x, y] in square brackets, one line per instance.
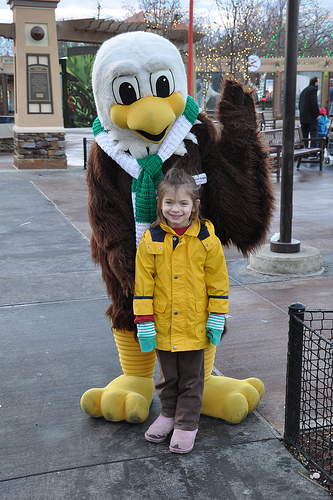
[312, 442]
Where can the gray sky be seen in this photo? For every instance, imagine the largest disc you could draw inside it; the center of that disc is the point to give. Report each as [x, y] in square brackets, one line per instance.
[74, 9]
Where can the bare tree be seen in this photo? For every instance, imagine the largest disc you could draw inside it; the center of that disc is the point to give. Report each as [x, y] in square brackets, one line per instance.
[240, 32]
[6, 46]
[230, 14]
[161, 16]
[315, 30]
[315, 26]
[274, 28]
[253, 27]
[98, 5]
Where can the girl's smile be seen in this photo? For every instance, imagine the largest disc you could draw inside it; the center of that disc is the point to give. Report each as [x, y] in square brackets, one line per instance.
[177, 207]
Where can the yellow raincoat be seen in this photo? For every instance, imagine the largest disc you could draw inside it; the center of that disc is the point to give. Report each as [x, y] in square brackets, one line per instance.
[179, 280]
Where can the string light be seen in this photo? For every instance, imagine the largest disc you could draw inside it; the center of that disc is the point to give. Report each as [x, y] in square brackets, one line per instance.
[243, 32]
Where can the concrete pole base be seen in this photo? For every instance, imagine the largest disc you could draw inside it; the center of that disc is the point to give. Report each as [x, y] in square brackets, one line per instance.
[307, 262]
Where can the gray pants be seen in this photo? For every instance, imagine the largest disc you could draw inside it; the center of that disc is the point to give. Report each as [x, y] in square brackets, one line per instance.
[180, 386]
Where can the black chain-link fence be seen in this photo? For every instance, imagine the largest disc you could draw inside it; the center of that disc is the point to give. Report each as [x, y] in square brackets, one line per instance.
[309, 394]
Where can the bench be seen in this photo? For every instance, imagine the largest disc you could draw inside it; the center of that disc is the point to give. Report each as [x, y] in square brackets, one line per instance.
[266, 123]
[210, 113]
[273, 140]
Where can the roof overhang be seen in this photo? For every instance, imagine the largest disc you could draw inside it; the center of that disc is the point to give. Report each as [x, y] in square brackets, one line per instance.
[98, 30]
[7, 30]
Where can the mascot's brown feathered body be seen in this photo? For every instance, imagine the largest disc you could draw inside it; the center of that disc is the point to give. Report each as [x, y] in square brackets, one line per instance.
[146, 124]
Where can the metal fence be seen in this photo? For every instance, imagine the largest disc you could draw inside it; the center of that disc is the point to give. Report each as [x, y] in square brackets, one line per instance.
[87, 143]
[309, 394]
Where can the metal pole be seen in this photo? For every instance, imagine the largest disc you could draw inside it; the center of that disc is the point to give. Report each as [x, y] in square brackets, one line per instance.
[85, 155]
[190, 50]
[63, 62]
[285, 243]
[294, 373]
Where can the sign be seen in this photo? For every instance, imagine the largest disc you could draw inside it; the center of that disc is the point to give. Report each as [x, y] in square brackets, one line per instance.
[39, 82]
[254, 63]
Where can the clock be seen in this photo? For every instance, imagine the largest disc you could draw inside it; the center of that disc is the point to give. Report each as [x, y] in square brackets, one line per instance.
[254, 63]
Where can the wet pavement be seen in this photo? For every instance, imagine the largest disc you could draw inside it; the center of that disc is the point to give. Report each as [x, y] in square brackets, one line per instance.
[56, 343]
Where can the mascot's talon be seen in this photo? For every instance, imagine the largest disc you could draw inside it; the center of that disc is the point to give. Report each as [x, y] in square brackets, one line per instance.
[91, 402]
[257, 385]
[120, 405]
[230, 399]
[125, 398]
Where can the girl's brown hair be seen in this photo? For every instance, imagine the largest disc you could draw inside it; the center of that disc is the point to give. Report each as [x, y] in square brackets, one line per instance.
[176, 178]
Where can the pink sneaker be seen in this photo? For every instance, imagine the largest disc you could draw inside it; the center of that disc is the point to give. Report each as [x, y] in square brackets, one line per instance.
[160, 429]
[182, 441]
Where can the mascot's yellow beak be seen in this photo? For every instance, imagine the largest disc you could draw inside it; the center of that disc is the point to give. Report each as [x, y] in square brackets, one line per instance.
[150, 117]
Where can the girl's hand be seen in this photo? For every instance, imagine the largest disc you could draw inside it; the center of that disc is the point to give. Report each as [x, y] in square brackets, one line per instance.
[215, 327]
[146, 336]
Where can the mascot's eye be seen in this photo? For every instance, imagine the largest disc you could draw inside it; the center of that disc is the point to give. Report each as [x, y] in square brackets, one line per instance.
[126, 90]
[162, 83]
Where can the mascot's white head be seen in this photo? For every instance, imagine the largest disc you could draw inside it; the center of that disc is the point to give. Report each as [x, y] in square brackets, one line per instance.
[140, 89]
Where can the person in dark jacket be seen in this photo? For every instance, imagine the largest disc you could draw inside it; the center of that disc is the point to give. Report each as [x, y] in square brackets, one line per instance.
[309, 109]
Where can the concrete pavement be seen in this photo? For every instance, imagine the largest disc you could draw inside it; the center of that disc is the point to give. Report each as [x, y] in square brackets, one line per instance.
[56, 343]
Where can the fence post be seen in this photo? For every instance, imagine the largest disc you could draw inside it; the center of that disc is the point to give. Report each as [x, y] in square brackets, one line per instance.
[84, 153]
[294, 373]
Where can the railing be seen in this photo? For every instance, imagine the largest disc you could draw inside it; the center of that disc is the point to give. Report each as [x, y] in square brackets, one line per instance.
[309, 394]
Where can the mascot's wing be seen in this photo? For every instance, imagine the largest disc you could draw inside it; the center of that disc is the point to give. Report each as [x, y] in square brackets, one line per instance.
[238, 173]
[111, 217]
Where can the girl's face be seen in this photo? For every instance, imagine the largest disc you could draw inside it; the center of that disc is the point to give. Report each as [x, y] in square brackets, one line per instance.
[177, 207]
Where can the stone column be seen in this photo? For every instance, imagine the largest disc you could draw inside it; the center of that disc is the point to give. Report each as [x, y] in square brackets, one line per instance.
[325, 90]
[39, 134]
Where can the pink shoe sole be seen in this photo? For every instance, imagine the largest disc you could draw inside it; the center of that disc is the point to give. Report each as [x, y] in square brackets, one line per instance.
[160, 429]
[182, 441]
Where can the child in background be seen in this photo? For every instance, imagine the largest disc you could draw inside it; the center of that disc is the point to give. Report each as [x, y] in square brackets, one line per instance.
[180, 298]
[322, 124]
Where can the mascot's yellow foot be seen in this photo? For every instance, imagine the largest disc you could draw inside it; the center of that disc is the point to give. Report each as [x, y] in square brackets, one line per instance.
[231, 399]
[128, 397]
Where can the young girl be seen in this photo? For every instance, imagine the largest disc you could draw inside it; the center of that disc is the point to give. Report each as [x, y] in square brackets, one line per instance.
[181, 296]
[322, 124]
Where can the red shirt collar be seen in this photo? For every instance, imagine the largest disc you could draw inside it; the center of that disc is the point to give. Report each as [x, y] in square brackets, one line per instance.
[180, 230]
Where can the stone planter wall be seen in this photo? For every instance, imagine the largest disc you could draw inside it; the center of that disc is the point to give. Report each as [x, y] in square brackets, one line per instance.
[40, 150]
[6, 145]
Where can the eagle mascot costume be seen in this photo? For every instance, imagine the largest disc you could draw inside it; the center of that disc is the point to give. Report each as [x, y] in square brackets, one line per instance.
[147, 123]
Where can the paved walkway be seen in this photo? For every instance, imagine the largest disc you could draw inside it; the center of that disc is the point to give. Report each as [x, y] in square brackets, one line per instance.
[56, 343]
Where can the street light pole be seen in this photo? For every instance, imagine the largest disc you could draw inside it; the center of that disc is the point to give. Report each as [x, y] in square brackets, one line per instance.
[286, 244]
[190, 50]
